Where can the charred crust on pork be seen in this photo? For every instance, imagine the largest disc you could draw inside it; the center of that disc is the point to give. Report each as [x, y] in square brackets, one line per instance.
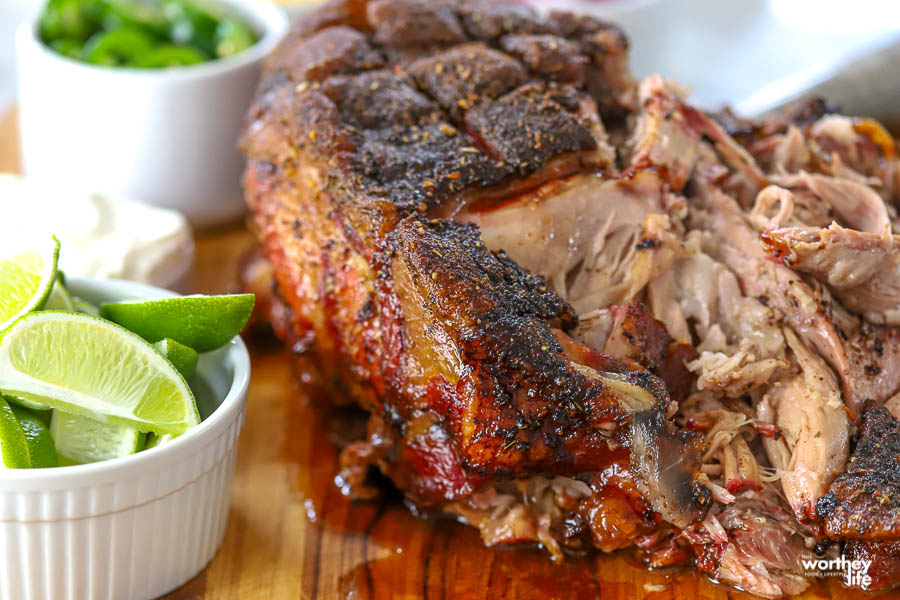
[864, 502]
[332, 84]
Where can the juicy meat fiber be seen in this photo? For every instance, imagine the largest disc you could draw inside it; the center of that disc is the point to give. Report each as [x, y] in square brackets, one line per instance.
[579, 311]
[862, 268]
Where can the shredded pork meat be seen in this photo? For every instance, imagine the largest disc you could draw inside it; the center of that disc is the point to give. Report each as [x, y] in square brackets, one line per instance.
[780, 282]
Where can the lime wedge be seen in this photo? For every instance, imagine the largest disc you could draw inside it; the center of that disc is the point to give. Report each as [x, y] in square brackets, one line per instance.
[59, 298]
[86, 366]
[41, 449]
[154, 440]
[81, 440]
[13, 443]
[26, 277]
[83, 306]
[183, 358]
[202, 322]
[35, 404]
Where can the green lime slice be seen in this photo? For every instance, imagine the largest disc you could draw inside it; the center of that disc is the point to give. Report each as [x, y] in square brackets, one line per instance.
[26, 277]
[184, 358]
[154, 440]
[13, 443]
[33, 404]
[59, 298]
[202, 322]
[86, 366]
[81, 440]
[83, 306]
[41, 449]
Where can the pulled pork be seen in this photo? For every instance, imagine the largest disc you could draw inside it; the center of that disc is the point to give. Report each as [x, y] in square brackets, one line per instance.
[579, 311]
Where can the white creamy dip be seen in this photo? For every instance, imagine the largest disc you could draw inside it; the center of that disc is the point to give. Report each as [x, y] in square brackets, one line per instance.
[102, 237]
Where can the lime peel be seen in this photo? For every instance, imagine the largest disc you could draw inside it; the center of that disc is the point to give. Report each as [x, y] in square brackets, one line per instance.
[41, 448]
[203, 323]
[13, 444]
[184, 358]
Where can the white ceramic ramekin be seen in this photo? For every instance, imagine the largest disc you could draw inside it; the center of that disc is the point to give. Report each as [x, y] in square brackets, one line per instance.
[162, 136]
[135, 527]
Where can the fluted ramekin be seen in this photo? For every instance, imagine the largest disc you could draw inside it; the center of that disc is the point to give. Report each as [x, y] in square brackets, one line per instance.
[134, 527]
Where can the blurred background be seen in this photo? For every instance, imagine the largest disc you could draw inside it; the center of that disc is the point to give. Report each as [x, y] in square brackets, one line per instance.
[751, 54]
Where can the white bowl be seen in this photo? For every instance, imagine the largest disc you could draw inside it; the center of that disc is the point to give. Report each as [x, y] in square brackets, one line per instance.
[161, 136]
[134, 527]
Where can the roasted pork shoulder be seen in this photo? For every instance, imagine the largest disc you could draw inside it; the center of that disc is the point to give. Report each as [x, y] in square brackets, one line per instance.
[579, 311]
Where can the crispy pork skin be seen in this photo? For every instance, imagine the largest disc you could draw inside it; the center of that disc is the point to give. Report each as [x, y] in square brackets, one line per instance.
[864, 502]
[884, 559]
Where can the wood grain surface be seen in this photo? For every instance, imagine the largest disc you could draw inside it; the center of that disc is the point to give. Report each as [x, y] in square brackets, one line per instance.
[291, 534]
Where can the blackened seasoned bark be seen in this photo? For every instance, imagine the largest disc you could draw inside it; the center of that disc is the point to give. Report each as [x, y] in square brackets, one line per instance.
[864, 502]
[397, 143]
[609, 80]
[604, 73]
[488, 20]
[550, 55]
[329, 52]
[402, 132]
[346, 40]
[469, 280]
[411, 23]
[462, 76]
[531, 125]
[379, 100]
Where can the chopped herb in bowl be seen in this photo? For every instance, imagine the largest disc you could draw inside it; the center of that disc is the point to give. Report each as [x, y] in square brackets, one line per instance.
[148, 34]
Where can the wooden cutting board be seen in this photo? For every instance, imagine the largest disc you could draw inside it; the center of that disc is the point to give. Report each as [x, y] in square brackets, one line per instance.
[291, 534]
